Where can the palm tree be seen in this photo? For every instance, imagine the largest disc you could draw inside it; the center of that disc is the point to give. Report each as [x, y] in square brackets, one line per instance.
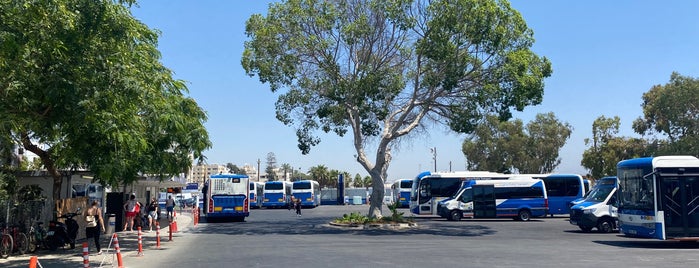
[287, 167]
[321, 174]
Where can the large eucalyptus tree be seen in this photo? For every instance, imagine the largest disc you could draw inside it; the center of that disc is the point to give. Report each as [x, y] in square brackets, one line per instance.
[379, 70]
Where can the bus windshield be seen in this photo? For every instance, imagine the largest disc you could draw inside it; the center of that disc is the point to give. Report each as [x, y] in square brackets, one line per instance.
[274, 186]
[228, 186]
[598, 194]
[302, 185]
[406, 184]
[638, 189]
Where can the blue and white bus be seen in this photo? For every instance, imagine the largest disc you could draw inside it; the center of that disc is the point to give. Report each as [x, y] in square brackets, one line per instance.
[226, 196]
[430, 188]
[519, 198]
[401, 192]
[308, 191]
[256, 194]
[658, 197]
[562, 189]
[277, 194]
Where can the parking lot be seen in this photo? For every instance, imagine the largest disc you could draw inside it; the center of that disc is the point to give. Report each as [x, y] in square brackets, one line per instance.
[274, 236]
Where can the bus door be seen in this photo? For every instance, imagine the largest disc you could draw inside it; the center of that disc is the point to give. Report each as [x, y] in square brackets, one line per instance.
[484, 201]
[680, 203]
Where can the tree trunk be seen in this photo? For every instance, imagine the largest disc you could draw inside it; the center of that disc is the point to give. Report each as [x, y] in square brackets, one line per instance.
[45, 157]
[377, 194]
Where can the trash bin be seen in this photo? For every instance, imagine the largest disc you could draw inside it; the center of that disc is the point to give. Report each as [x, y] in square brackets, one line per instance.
[111, 224]
[356, 200]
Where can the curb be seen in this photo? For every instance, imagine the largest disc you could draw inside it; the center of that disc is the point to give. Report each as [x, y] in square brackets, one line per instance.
[386, 226]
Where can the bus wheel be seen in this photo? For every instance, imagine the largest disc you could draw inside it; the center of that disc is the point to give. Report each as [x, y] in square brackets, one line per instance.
[524, 215]
[605, 226]
[455, 215]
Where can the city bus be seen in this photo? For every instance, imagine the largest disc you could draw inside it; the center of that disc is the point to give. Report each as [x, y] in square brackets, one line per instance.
[226, 196]
[430, 188]
[562, 189]
[308, 191]
[277, 194]
[519, 198]
[256, 194]
[401, 192]
[658, 197]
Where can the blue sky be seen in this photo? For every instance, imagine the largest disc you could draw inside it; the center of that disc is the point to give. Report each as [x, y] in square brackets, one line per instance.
[605, 55]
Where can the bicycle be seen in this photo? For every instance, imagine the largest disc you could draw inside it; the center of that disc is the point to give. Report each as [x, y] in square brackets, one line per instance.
[37, 237]
[12, 239]
[5, 243]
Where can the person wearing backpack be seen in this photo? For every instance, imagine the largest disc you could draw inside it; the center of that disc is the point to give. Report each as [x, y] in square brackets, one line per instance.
[94, 223]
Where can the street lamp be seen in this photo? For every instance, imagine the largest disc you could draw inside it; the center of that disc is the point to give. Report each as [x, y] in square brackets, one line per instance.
[433, 150]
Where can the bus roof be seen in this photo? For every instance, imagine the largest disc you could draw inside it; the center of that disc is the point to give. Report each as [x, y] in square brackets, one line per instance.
[661, 161]
[278, 182]
[516, 182]
[563, 175]
[234, 176]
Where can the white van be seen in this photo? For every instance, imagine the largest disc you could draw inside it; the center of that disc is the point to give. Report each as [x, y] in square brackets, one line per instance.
[598, 209]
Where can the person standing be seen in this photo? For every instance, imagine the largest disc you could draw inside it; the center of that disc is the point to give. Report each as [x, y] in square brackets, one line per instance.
[297, 206]
[95, 223]
[131, 211]
[170, 207]
[152, 213]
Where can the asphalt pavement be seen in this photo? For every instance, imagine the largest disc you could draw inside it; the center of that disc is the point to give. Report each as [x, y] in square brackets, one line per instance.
[128, 247]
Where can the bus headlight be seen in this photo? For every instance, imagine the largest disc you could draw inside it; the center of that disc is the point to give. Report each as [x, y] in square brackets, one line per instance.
[589, 211]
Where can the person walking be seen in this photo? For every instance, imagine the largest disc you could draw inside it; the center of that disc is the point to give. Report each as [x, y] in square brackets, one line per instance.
[152, 214]
[131, 208]
[297, 206]
[170, 207]
[94, 223]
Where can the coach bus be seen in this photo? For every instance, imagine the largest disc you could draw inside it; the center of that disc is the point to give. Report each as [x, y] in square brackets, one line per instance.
[226, 196]
[256, 194]
[308, 191]
[519, 198]
[562, 189]
[658, 197]
[430, 188]
[277, 194]
[401, 192]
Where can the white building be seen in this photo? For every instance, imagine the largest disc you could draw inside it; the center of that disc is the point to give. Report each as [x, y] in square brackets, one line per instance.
[201, 172]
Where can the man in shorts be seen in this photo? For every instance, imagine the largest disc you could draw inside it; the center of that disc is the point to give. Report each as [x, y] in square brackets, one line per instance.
[170, 206]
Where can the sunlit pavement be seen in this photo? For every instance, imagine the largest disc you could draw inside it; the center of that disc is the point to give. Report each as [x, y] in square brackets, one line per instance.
[128, 245]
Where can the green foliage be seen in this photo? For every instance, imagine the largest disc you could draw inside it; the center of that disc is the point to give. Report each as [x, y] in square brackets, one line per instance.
[356, 218]
[606, 149]
[271, 167]
[671, 110]
[353, 218]
[396, 216]
[83, 79]
[505, 146]
[232, 168]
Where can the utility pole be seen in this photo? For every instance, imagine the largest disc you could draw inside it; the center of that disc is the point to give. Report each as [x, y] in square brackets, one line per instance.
[258, 170]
